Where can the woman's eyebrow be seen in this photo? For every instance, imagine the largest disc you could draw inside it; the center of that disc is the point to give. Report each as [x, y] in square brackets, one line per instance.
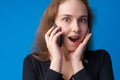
[67, 15]
[84, 16]
[72, 16]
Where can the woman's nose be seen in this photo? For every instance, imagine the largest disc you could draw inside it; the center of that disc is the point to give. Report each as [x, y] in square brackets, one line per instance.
[75, 27]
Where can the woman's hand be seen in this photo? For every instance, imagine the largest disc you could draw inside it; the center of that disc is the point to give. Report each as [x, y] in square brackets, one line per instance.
[54, 50]
[76, 57]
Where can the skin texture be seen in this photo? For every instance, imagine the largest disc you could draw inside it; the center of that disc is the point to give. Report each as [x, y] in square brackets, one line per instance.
[72, 21]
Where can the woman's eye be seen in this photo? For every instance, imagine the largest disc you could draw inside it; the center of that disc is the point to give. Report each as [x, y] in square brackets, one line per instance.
[83, 20]
[66, 19]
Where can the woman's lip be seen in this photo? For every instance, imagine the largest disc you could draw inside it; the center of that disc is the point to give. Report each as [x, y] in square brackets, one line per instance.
[74, 39]
[74, 36]
[76, 42]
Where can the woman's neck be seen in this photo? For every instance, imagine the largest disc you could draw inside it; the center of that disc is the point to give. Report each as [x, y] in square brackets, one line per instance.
[66, 54]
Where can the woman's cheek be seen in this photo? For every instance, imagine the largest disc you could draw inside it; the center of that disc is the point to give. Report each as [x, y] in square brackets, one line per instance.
[84, 35]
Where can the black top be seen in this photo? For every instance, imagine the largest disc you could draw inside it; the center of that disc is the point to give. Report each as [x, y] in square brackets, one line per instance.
[97, 66]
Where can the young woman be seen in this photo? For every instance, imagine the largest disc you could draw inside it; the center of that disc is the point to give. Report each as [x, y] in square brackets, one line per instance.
[61, 52]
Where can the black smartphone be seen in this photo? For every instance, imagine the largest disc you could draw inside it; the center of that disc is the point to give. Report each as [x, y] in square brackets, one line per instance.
[60, 38]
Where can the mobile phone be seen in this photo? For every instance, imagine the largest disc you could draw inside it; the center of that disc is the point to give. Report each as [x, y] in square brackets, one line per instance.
[60, 38]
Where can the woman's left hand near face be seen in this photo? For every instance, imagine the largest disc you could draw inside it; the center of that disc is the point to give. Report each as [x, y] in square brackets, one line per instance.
[77, 54]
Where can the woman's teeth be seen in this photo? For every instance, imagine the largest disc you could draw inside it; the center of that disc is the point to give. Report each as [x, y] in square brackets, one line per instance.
[74, 39]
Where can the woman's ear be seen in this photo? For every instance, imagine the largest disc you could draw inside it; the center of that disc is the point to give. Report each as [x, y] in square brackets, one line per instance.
[89, 30]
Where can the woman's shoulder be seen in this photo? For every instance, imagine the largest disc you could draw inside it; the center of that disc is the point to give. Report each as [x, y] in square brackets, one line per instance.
[98, 54]
[30, 59]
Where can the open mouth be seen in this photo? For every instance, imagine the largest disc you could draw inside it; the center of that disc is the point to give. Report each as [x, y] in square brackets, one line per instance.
[74, 39]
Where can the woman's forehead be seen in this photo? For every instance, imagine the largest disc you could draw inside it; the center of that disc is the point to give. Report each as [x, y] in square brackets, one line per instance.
[72, 7]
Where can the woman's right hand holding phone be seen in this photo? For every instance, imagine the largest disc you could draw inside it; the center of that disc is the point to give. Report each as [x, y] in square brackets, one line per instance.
[55, 53]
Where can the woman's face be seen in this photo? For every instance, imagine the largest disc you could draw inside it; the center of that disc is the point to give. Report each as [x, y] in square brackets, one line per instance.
[72, 16]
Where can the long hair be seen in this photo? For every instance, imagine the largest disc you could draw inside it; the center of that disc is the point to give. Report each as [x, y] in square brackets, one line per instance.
[41, 51]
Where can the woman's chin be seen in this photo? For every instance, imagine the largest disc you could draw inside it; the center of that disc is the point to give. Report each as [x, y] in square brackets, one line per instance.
[71, 48]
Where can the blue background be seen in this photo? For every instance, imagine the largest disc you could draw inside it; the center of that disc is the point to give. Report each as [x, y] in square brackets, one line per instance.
[19, 20]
